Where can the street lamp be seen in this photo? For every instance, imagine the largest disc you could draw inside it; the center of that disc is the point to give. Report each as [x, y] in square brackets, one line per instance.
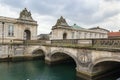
[3, 32]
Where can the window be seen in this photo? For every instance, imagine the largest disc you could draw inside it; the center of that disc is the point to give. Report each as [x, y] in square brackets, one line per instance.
[85, 36]
[72, 35]
[11, 30]
[90, 35]
[65, 36]
[95, 35]
[99, 35]
[79, 34]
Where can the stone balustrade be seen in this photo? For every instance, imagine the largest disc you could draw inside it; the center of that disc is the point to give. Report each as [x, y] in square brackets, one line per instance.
[35, 42]
[95, 43]
[110, 43]
[103, 43]
[72, 42]
[6, 41]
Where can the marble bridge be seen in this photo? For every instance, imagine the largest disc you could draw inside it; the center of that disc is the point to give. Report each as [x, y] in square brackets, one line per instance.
[93, 57]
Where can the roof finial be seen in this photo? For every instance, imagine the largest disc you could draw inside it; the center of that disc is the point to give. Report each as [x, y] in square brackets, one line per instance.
[25, 8]
[61, 17]
[61, 22]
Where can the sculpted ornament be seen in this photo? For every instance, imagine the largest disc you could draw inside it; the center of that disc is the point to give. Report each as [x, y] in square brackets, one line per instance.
[25, 15]
[61, 21]
[84, 57]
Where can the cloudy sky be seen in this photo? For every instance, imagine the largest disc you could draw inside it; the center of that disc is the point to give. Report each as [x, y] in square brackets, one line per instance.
[85, 13]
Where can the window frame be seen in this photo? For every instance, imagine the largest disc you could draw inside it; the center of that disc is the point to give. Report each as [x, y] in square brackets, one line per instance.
[11, 30]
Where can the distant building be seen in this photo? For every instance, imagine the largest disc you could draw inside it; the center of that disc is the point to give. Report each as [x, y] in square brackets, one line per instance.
[61, 30]
[23, 28]
[43, 37]
[100, 29]
[114, 35]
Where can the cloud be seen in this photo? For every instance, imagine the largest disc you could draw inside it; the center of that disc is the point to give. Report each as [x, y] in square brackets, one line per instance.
[76, 9]
[112, 0]
[13, 3]
[83, 12]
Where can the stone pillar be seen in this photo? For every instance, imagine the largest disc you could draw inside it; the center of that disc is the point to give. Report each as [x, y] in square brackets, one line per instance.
[83, 73]
[85, 59]
[47, 60]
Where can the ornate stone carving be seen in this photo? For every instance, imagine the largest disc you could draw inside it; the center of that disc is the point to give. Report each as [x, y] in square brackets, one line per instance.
[84, 57]
[107, 43]
[18, 50]
[24, 14]
[61, 22]
[61, 49]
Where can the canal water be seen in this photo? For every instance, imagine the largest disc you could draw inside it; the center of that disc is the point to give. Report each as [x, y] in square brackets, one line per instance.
[38, 70]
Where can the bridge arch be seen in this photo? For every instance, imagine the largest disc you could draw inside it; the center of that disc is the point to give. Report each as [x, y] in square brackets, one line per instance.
[38, 52]
[66, 53]
[102, 60]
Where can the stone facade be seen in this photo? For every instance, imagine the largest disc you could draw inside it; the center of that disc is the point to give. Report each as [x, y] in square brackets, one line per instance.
[22, 28]
[14, 31]
[62, 30]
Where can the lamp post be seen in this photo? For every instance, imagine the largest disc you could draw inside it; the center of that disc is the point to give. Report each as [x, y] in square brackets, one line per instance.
[3, 32]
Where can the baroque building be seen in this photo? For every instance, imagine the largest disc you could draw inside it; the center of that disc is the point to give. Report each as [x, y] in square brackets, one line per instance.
[13, 31]
[61, 30]
[23, 28]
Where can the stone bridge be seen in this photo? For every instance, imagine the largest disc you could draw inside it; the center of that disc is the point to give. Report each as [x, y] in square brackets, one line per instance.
[92, 57]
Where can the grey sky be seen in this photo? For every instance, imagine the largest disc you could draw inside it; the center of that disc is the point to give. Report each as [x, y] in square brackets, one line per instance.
[86, 13]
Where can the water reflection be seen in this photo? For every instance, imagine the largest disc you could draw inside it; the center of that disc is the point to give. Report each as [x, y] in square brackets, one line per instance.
[38, 70]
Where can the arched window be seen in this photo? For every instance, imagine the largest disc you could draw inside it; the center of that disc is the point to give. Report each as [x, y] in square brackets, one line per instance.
[27, 35]
[65, 36]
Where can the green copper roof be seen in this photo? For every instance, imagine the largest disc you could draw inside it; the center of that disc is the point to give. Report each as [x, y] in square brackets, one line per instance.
[76, 27]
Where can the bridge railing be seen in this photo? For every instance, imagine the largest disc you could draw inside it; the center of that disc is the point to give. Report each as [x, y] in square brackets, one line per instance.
[96, 43]
[108, 43]
[4, 41]
[7, 41]
[17, 41]
[35, 42]
[85, 42]
[72, 42]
